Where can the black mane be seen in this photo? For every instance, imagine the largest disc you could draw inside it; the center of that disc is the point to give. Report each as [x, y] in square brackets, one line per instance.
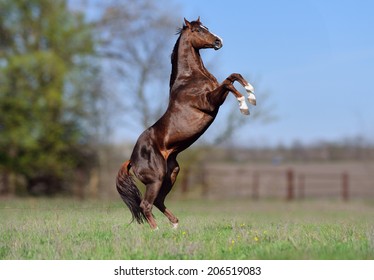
[174, 58]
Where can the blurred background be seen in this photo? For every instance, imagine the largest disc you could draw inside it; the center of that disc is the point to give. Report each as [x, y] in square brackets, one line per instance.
[80, 80]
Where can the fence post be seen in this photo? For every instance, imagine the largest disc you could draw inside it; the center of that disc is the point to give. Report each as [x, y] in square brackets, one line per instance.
[255, 186]
[184, 182]
[4, 183]
[302, 186]
[204, 181]
[290, 184]
[345, 186]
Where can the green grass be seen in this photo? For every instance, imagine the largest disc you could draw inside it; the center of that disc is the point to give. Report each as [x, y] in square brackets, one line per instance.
[237, 229]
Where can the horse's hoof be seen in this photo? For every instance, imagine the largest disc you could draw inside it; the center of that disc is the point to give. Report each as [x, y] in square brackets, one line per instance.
[252, 99]
[244, 111]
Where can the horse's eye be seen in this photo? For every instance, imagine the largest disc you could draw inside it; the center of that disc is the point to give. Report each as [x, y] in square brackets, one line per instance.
[199, 29]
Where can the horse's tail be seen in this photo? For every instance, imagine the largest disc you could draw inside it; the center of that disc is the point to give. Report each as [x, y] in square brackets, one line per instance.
[129, 192]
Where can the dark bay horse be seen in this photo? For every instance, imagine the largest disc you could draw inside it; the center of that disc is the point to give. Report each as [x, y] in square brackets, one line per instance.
[195, 97]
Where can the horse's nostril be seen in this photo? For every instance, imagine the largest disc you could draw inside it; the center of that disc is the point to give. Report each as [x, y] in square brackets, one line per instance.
[217, 44]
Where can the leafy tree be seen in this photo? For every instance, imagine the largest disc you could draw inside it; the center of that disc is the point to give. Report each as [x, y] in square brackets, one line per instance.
[44, 92]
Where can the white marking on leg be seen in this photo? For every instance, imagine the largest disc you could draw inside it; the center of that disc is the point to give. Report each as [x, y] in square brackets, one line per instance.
[251, 96]
[252, 99]
[175, 226]
[249, 88]
[243, 106]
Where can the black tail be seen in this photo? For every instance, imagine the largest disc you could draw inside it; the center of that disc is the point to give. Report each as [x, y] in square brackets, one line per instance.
[129, 192]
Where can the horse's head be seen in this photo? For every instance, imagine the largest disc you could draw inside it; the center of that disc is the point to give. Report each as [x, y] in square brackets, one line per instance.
[200, 37]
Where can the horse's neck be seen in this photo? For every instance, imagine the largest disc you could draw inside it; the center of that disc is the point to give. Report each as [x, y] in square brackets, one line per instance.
[186, 62]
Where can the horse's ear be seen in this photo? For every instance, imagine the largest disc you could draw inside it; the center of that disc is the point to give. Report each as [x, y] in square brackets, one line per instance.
[198, 20]
[188, 24]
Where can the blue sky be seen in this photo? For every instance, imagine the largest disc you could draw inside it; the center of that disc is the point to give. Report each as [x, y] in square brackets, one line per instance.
[315, 58]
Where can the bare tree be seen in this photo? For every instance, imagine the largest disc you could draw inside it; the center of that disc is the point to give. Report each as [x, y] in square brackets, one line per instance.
[136, 43]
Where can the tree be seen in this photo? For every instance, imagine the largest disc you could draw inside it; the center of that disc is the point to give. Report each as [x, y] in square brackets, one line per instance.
[45, 98]
[135, 45]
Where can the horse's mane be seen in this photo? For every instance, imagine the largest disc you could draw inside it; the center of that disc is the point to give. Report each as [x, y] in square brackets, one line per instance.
[174, 57]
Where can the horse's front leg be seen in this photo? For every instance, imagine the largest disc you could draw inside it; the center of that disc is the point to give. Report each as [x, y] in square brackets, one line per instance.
[218, 95]
[248, 87]
[241, 99]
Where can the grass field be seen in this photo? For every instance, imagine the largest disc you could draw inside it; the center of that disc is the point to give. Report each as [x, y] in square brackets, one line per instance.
[238, 229]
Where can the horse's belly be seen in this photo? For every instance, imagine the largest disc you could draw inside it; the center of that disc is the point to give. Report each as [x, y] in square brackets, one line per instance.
[184, 133]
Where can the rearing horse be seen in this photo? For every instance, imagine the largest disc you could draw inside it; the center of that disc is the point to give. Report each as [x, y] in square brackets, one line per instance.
[195, 97]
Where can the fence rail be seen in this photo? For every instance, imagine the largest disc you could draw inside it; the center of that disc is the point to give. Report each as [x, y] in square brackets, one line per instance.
[287, 183]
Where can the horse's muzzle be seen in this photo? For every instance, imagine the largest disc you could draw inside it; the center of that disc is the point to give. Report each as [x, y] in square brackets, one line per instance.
[218, 44]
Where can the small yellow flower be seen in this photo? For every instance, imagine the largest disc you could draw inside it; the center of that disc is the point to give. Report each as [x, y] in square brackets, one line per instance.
[233, 242]
[255, 239]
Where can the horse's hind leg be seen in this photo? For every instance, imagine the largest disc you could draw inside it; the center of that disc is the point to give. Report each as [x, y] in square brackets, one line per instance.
[152, 190]
[149, 167]
[171, 176]
[160, 204]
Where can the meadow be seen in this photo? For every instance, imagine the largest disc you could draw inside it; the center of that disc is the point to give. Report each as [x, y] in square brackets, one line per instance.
[227, 229]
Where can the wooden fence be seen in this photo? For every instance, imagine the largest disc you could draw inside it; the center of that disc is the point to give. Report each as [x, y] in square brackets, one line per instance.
[289, 183]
